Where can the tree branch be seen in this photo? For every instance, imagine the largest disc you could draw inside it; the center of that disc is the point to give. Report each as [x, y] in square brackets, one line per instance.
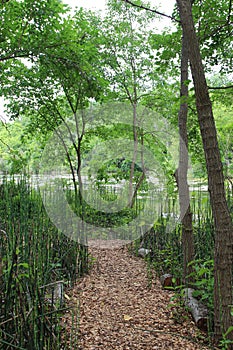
[151, 10]
[27, 53]
[229, 12]
[220, 87]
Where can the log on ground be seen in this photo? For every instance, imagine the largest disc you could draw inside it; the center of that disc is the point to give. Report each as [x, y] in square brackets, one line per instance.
[166, 280]
[197, 309]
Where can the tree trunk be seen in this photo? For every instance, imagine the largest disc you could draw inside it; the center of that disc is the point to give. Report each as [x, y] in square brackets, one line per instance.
[135, 151]
[222, 219]
[79, 160]
[184, 198]
[142, 177]
[77, 147]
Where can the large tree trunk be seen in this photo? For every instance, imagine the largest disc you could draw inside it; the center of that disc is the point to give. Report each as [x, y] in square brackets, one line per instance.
[184, 198]
[222, 219]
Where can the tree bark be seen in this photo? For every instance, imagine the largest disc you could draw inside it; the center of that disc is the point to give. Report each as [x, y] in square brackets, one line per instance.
[135, 151]
[142, 177]
[223, 225]
[183, 188]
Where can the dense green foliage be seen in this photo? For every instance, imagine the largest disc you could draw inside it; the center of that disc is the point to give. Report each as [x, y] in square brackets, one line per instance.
[70, 59]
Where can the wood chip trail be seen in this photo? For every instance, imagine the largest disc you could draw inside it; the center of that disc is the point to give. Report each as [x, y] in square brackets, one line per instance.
[120, 310]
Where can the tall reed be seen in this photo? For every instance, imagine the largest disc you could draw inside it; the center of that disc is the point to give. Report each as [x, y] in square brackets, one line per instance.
[36, 263]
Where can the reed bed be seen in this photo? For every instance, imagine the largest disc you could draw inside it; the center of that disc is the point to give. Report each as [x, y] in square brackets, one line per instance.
[37, 262]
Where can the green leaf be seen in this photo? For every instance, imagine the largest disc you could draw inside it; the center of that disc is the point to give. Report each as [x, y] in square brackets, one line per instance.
[230, 329]
[25, 265]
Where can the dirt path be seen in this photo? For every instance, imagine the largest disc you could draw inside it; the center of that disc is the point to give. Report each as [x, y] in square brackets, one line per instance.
[120, 311]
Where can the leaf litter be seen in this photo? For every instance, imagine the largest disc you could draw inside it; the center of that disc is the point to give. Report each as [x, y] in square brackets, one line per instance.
[119, 309]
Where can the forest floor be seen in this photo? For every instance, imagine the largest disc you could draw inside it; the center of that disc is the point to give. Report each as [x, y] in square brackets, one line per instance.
[120, 308]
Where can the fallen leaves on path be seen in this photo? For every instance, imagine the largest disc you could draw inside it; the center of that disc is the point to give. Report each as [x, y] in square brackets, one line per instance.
[119, 310]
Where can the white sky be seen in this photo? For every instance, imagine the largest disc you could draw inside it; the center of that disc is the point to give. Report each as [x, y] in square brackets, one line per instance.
[163, 6]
